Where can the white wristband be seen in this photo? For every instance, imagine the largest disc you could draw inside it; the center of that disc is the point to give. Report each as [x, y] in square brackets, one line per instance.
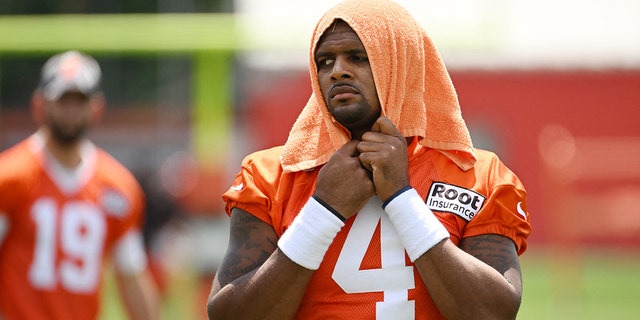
[310, 234]
[418, 228]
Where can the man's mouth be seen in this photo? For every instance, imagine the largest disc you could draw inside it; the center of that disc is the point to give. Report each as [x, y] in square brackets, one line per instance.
[342, 91]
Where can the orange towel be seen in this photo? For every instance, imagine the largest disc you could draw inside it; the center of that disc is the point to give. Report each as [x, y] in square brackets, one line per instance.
[420, 101]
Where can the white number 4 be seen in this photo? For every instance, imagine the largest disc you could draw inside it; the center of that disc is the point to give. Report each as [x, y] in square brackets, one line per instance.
[394, 278]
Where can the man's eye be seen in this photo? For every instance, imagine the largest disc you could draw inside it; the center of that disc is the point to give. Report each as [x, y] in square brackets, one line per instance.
[325, 62]
[360, 58]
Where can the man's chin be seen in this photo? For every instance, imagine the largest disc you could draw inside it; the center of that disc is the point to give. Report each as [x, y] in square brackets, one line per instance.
[67, 138]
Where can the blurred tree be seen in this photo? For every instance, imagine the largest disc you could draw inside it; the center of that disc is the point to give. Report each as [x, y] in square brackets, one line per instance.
[128, 80]
[112, 6]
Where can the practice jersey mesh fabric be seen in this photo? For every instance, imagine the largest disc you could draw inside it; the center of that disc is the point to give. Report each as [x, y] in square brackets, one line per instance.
[52, 257]
[366, 273]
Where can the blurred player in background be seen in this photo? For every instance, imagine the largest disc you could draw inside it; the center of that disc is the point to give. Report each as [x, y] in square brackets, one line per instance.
[66, 206]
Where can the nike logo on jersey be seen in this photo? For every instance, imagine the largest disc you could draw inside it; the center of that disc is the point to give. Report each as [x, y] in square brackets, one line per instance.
[453, 199]
[237, 187]
[520, 211]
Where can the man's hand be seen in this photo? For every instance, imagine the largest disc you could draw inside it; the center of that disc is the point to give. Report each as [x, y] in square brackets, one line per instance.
[343, 183]
[383, 151]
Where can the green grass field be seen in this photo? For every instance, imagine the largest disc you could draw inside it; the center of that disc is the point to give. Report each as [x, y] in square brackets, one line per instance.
[588, 285]
[593, 285]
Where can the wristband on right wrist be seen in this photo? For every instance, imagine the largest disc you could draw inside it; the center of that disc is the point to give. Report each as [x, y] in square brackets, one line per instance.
[330, 208]
[310, 234]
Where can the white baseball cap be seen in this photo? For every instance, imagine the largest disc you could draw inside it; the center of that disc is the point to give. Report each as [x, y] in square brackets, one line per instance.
[70, 71]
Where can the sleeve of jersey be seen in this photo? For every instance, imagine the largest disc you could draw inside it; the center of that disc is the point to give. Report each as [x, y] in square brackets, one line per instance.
[139, 210]
[129, 254]
[131, 190]
[4, 212]
[504, 213]
[253, 185]
[9, 189]
[12, 187]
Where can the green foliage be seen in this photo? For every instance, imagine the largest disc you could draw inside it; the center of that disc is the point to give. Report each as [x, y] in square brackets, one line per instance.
[112, 6]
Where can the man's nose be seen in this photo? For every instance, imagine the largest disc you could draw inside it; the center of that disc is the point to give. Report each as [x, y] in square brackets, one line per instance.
[341, 69]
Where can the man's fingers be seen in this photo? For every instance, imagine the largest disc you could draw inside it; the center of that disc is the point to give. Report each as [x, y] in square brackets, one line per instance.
[350, 148]
[381, 128]
[366, 161]
[384, 125]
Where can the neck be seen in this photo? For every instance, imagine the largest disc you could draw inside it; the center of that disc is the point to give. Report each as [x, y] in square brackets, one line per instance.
[356, 135]
[67, 154]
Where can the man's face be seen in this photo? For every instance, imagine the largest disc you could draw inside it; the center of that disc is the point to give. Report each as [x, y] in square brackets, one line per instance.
[69, 117]
[346, 80]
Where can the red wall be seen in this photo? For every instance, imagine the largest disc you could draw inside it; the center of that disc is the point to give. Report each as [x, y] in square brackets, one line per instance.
[520, 103]
[505, 110]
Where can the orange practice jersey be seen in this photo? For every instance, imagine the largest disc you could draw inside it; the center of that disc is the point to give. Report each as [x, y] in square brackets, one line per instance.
[366, 273]
[51, 257]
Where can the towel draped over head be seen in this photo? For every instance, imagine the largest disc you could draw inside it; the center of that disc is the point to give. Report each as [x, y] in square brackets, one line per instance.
[413, 85]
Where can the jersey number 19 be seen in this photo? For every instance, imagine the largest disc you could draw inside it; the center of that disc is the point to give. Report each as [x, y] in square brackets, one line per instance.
[79, 230]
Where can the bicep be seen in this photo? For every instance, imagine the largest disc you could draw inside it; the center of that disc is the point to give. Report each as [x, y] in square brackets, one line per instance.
[251, 242]
[498, 252]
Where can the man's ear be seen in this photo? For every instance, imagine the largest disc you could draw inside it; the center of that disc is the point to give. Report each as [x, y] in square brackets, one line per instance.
[38, 103]
[98, 104]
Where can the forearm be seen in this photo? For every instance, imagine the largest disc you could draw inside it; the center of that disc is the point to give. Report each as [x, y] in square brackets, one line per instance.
[273, 291]
[463, 287]
[479, 280]
[139, 296]
[275, 288]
